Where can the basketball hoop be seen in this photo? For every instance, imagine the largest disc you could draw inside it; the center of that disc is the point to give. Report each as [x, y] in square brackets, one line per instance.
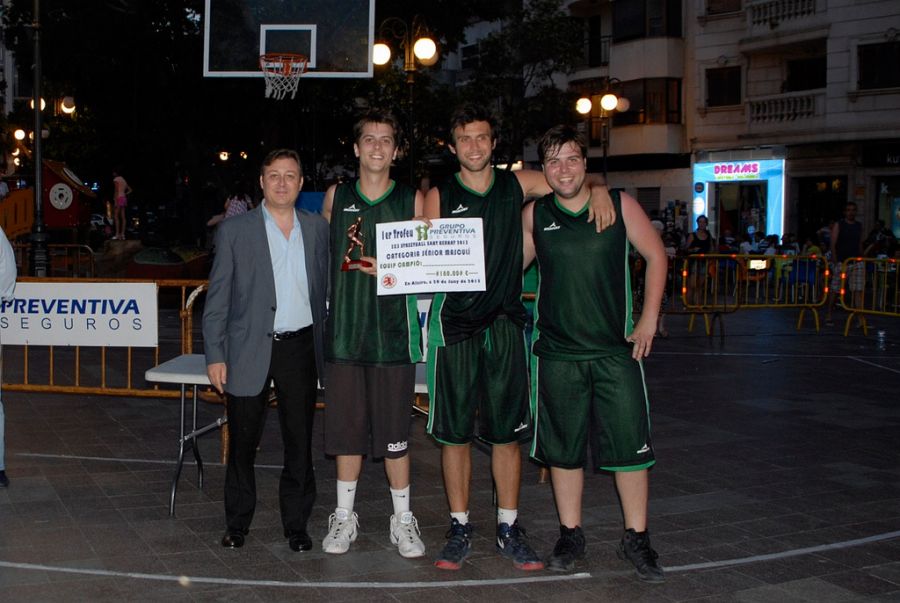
[282, 71]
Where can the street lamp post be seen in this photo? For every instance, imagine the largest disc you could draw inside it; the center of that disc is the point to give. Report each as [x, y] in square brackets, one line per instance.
[39, 258]
[417, 46]
[609, 104]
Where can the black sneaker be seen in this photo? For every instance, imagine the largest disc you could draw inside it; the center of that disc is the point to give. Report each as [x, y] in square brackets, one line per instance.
[457, 548]
[513, 544]
[4, 481]
[569, 547]
[635, 547]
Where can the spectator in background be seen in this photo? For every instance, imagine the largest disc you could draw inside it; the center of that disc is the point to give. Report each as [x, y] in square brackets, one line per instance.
[698, 242]
[728, 244]
[812, 246]
[846, 242]
[7, 287]
[825, 235]
[120, 202]
[789, 244]
[880, 243]
[239, 202]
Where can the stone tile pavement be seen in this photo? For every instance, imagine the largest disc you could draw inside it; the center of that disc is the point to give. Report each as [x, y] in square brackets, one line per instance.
[777, 480]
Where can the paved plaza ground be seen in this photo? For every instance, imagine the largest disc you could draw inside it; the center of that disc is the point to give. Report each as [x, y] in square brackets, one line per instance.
[777, 480]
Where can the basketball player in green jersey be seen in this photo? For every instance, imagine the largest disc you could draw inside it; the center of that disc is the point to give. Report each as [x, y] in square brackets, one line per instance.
[476, 347]
[587, 372]
[372, 343]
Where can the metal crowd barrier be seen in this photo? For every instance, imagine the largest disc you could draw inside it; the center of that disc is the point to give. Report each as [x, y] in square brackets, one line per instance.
[66, 260]
[107, 370]
[869, 287]
[708, 288]
[717, 284]
[683, 274]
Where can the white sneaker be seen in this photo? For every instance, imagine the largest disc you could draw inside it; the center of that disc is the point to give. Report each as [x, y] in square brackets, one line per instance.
[405, 534]
[342, 529]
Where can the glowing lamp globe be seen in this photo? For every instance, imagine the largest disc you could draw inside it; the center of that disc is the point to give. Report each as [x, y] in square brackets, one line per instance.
[426, 51]
[381, 54]
[584, 105]
[609, 102]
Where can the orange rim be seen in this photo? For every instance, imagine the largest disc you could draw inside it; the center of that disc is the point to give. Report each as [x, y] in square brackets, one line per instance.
[286, 60]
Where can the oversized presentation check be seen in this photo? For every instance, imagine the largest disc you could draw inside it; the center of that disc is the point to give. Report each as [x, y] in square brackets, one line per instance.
[413, 258]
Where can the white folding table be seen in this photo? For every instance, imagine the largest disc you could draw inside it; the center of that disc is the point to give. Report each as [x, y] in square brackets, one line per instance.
[187, 369]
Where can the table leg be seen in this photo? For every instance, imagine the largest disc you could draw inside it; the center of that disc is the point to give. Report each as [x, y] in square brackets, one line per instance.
[194, 445]
[180, 462]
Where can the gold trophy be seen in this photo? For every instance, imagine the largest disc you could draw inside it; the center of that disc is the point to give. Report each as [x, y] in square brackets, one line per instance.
[354, 233]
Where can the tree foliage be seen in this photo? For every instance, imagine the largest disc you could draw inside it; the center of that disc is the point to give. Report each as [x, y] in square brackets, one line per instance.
[135, 70]
[517, 66]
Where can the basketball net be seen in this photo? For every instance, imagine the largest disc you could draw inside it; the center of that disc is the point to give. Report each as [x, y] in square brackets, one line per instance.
[282, 73]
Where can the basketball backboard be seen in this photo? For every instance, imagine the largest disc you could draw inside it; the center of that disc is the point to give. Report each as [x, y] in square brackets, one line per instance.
[336, 35]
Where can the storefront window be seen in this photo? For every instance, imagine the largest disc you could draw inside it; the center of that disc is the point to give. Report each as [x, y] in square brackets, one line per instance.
[888, 203]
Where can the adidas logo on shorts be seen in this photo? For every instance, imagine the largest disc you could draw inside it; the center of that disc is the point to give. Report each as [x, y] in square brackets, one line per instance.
[397, 446]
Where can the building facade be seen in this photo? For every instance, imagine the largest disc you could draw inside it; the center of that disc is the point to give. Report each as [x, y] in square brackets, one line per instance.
[767, 115]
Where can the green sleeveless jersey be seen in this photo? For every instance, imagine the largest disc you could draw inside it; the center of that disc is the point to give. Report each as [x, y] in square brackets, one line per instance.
[583, 307]
[362, 327]
[459, 315]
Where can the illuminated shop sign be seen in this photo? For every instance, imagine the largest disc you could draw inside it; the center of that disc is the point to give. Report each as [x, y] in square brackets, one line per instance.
[769, 170]
[740, 170]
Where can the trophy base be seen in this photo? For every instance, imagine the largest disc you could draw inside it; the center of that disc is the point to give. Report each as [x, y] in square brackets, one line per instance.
[355, 265]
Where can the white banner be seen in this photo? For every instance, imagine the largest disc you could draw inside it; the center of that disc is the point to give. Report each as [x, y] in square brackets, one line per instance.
[413, 258]
[84, 314]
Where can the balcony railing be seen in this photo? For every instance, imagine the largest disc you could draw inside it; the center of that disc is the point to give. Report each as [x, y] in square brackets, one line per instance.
[771, 13]
[786, 108]
[596, 52]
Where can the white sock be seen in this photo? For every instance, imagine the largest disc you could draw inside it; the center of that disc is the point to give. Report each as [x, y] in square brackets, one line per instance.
[507, 516]
[462, 518]
[346, 495]
[400, 498]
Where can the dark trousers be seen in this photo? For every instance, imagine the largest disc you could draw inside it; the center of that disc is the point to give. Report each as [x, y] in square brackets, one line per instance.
[293, 369]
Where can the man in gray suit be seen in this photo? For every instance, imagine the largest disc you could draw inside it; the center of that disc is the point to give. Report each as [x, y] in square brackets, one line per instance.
[264, 321]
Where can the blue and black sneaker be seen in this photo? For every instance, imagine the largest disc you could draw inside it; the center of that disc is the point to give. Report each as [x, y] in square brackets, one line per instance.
[513, 544]
[457, 548]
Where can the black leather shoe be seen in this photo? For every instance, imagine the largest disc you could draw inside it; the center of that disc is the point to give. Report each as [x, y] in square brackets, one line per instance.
[300, 541]
[233, 540]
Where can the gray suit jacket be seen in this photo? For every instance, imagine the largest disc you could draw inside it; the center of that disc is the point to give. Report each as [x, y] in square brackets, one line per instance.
[240, 304]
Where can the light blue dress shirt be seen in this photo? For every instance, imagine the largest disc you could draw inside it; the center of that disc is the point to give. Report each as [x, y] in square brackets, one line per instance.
[292, 309]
